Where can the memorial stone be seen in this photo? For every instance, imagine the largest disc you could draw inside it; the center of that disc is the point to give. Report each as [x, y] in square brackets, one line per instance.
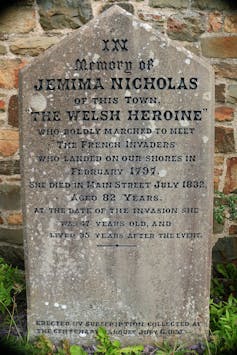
[117, 149]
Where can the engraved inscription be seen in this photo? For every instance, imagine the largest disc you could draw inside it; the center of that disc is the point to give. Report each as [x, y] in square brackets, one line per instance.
[116, 148]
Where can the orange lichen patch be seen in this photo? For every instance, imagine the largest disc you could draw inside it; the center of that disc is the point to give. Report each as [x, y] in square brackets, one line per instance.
[224, 113]
[9, 70]
[15, 219]
[9, 142]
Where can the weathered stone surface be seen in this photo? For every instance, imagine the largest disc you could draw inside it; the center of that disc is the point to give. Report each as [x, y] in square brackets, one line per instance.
[218, 160]
[32, 46]
[9, 142]
[218, 228]
[13, 255]
[216, 181]
[225, 250]
[14, 219]
[10, 197]
[8, 134]
[231, 176]
[9, 69]
[220, 92]
[11, 236]
[213, 5]
[224, 113]
[117, 183]
[124, 5]
[169, 3]
[17, 19]
[224, 140]
[215, 21]
[232, 94]
[230, 24]
[193, 47]
[217, 174]
[13, 111]
[218, 171]
[233, 229]
[10, 179]
[226, 70]
[2, 105]
[185, 27]
[219, 47]
[3, 36]
[56, 14]
[151, 17]
[9, 167]
[2, 49]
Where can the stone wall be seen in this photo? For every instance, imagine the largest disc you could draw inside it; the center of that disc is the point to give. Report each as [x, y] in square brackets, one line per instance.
[29, 27]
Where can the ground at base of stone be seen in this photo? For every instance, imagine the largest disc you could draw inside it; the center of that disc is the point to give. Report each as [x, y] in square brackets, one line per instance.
[20, 319]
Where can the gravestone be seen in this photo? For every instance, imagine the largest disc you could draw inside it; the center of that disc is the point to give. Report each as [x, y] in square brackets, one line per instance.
[117, 148]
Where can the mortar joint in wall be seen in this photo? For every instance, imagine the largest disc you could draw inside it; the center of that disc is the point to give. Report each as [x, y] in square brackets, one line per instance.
[16, 179]
[5, 244]
[235, 137]
[222, 177]
[38, 27]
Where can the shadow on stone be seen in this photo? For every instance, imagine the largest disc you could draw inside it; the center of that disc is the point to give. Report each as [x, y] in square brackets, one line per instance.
[225, 251]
